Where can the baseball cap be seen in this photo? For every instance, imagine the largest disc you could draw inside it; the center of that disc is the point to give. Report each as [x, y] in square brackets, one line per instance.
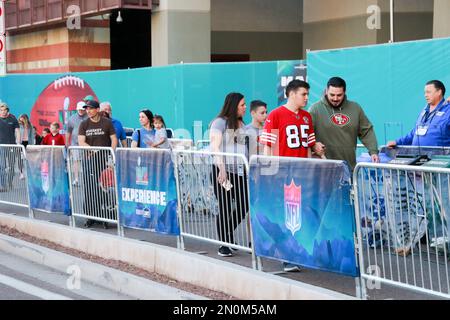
[88, 98]
[91, 104]
[80, 105]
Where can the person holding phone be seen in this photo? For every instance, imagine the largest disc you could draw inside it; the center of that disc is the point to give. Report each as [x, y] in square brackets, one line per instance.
[227, 135]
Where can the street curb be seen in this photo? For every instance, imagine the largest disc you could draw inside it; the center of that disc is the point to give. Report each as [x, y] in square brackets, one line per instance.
[217, 275]
[103, 276]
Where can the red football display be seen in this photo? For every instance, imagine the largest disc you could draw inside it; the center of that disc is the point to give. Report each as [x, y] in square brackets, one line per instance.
[58, 101]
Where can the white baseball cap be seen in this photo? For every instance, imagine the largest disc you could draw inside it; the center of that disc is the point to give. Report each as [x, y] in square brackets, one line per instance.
[80, 105]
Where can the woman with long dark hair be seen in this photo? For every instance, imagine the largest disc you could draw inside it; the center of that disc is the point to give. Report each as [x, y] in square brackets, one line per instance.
[227, 135]
[145, 136]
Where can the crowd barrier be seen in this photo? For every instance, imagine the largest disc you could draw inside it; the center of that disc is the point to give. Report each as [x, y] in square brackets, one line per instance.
[202, 145]
[147, 190]
[93, 185]
[181, 144]
[129, 141]
[414, 151]
[47, 177]
[13, 176]
[302, 214]
[209, 210]
[401, 215]
[401, 212]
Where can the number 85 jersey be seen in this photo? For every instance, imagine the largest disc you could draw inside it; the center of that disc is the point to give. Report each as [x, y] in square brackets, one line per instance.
[289, 134]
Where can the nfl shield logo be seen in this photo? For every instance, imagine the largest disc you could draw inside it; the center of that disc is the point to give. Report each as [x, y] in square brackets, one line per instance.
[293, 207]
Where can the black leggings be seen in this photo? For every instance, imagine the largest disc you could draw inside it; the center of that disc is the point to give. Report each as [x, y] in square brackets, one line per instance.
[25, 144]
[227, 221]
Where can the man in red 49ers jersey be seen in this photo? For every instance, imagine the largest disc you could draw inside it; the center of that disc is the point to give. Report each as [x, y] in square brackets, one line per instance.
[288, 130]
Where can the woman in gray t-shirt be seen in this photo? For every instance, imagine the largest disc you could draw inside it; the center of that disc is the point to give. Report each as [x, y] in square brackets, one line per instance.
[227, 135]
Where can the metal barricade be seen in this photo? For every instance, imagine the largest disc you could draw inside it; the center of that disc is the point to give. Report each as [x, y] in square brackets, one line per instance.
[181, 144]
[93, 184]
[147, 190]
[209, 211]
[129, 141]
[13, 176]
[360, 149]
[48, 179]
[415, 150]
[128, 131]
[202, 144]
[401, 218]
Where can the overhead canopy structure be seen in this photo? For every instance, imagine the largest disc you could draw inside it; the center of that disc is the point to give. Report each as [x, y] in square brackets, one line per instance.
[30, 14]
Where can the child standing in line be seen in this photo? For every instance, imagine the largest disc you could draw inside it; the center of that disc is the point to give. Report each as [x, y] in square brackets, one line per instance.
[54, 138]
[161, 140]
[258, 111]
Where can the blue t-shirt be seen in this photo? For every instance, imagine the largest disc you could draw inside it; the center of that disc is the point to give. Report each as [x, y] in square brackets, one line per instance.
[147, 137]
[120, 133]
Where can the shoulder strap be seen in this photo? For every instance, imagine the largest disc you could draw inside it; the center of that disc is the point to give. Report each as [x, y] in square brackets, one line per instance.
[139, 138]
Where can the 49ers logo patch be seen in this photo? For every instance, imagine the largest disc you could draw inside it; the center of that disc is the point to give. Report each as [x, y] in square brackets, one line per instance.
[340, 119]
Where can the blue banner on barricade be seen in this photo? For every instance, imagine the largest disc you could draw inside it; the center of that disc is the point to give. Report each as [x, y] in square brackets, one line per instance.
[301, 213]
[48, 181]
[147, 190]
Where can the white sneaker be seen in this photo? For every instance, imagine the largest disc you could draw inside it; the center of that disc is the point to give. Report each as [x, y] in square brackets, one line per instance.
[21, 177]
[289, 267]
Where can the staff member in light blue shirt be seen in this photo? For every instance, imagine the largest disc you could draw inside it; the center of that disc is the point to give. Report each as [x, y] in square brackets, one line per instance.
[433, 125]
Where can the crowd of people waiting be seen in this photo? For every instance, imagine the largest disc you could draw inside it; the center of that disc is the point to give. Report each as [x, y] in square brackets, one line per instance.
[20, 130]
[329, 130]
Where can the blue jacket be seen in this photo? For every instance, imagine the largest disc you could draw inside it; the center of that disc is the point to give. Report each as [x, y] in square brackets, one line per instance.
[438, 128]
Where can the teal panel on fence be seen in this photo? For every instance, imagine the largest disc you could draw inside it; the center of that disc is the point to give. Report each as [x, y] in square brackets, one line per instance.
[183, 93]
[387, 80]
[206, 85]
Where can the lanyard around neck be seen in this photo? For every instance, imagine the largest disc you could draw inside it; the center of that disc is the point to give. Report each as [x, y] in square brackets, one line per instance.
[432, 114]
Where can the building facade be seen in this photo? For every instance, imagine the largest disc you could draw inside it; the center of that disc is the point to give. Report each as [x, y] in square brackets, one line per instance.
[46, 36]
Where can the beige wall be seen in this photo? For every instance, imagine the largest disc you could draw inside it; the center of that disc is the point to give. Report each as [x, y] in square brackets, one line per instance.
[324, 10]
[261, 46]
[441, 18]
[263, 29]
[183, 5]
[190, 31]
[330, 24]
[320, 10]
[192, 46]
[181, 31]
[257, 15]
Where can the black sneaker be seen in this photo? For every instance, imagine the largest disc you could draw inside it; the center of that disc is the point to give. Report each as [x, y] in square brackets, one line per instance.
[89, 223]
[225, 252]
